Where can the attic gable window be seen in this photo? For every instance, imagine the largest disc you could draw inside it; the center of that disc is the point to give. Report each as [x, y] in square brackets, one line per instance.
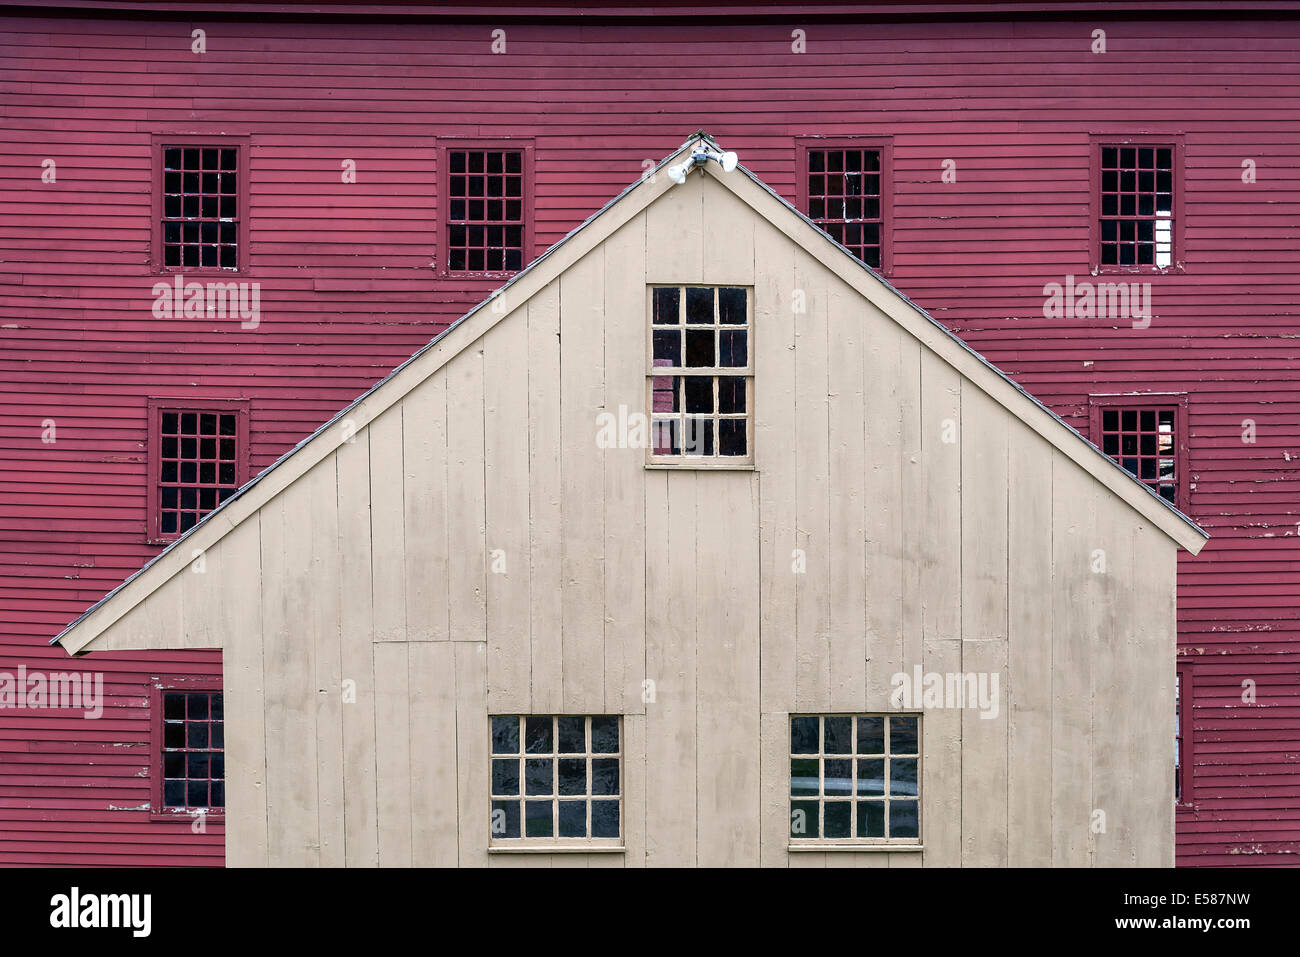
[1137, 215]
[200, 204]
[700, 383]
[487, 196]
[1146, 438]
[843, 187]
[556, 780]
[189, 747]
[198, 458]
[855, 779]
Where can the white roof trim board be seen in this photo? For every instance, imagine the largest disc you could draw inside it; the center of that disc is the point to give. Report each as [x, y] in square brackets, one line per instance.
[545, 269]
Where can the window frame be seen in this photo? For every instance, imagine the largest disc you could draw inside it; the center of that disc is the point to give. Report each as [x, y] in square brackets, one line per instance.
[1183, 695]
[883, 143]
[744, 462]
[159, 142]
[157, 810]
[821, 843]
[554, 843]
[1096, 142]
[155, 406]
[442, 203]
[1151, 400]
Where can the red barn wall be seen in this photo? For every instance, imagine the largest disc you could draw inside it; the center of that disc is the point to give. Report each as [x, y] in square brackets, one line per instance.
[348, 292]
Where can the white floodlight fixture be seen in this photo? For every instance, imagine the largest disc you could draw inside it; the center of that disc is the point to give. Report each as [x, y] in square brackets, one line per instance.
[699, 156]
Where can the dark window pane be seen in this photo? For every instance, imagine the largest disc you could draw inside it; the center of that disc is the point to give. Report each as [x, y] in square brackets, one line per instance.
[604, 819]
[667, 305]
[174, 793]
[902, 819]
[803, 819]
[902, 735]
[573, 734]
[505, 819]
[871, 819]
[573, 775]
[699, 394]
[573, 819]
[699, 305]
[804, 735]
[839, 819]
[902, 777]
[173, 705]
[732, 439]
[804, 777]
[871, 735]
[604, 776]
[538, 776]
[838, 733]
[871, 777]
[733, 347]
[731, 305]
[505, 776]
[537, 735]
[537, 819]
[604, 734]
[700, 351]
[838, 777]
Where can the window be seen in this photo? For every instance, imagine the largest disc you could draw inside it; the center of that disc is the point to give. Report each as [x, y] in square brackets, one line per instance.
[1145, 435]
[188, 747]
[843, 187]
[855, 779]
[1137, 199]
[198, 458]
[200, 204]
[1183, 735]
[700, 384]
[487, 186]
[556, 780]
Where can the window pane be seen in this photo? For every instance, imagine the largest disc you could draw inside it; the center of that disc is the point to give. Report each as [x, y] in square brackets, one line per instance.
[537, 735]
[505, 735]
[604, 735]
[804, 735]
[573, 734]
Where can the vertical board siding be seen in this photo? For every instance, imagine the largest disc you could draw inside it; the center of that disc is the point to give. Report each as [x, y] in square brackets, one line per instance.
[347, 292]
[372, 731]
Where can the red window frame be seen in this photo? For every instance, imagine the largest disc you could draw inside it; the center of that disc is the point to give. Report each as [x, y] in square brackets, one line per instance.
[1156, 401]
[885, 145]
[1137, 140]
[159, 142]
[154, 534]
[157, 811]
[448, 145]
[1184, 741]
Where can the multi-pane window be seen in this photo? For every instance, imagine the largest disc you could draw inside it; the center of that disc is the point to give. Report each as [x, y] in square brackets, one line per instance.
[855, 778]
[200, 207]
[701, 374]
[556, 779]
[1137, 206]
[193, 759]
[199, 465]
[485, 210]
[845, 199]
[1144, 441]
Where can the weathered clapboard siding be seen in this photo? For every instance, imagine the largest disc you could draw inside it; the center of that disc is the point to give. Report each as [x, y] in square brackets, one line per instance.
[874, 535]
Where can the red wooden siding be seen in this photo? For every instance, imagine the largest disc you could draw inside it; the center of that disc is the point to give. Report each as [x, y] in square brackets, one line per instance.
[348, 291]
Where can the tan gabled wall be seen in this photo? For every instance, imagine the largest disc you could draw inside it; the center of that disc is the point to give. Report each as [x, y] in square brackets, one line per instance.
[374, 567]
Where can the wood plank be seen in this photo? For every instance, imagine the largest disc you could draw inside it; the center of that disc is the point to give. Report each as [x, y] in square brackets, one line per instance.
[471, 747]
[242, 683]
[671, 730]
[393, 753]
[545, 569]
[812, 487]
[726, 654]
[675, 253]
[424, 485]
[1029, 650]
[356, 624]
[466, 505]
[774, 784]
[634, 789]
[582, 544]
[939, 558]
[505, 474]
[624, 479]
[434, 817]
[387, 526]
[774, 428]
[846, 500]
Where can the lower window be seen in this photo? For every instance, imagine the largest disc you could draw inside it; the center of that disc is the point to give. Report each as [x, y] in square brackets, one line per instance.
[855, 779]
[556, 780]
[189, 748]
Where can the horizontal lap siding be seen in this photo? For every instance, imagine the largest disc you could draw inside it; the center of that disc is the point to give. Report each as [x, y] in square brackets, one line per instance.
[347, 292]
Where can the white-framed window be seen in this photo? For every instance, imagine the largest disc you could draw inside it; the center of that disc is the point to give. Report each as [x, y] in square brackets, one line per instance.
[855, 779]
[556, 780]
[700, 383]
